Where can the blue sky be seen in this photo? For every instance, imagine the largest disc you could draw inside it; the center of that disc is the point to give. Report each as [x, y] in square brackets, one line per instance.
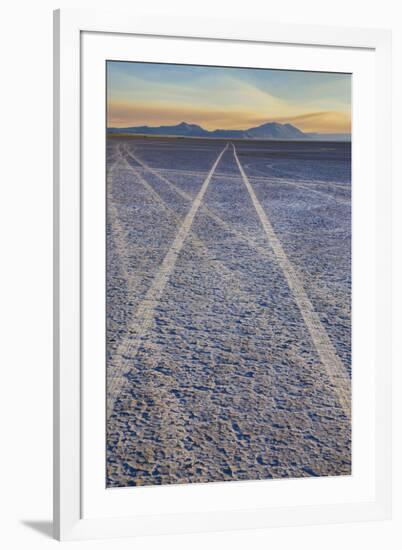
[220, 97]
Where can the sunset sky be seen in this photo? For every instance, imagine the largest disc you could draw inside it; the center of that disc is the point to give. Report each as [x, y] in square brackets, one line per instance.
[219, 97]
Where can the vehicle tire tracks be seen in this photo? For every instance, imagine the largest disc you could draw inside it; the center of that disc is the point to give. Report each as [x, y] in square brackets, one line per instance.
[145, 312]
[244, 238]
[335, 369]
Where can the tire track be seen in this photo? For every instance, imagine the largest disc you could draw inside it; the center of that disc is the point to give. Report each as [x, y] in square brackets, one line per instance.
[318, 192]
[169, 432]
[305, 187]
[333, 365]
[121, 242]
[118, 230]
[172, 432]
[144, 317]
[229, 277]
[199, 244]
[119, 236]
[248, 240]
[221, 175]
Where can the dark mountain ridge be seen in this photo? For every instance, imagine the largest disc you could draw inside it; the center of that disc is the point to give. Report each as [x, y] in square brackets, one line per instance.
[268, 130]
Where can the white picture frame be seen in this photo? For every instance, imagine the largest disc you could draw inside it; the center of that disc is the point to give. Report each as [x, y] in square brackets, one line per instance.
[81, 507]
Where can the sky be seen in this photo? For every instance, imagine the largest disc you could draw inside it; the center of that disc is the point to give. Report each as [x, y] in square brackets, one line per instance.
[156, 94]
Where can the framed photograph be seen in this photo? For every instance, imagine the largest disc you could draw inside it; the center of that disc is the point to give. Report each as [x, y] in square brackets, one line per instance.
[222, 275]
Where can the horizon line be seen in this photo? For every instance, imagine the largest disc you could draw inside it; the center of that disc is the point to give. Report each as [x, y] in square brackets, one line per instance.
[183, 122]
[178, 136]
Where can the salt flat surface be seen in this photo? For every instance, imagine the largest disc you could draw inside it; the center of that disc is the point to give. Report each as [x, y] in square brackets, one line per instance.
[217, 376]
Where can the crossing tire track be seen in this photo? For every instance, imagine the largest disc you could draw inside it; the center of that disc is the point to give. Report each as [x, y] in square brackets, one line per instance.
[241, 236]
[143, 320]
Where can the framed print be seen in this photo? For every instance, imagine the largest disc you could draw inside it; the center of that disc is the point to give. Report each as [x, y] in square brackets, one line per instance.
[222, 270]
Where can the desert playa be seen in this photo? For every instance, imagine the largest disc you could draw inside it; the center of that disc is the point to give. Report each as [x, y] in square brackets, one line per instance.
[228, 308]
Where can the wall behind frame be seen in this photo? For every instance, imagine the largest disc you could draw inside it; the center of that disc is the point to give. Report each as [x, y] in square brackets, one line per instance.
[26, 271]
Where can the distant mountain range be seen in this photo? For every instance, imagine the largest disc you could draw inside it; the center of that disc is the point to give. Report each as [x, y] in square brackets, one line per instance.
[269, 130]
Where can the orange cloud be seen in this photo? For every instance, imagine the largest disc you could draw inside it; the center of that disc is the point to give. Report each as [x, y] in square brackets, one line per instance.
[121, 114]
[330, 121]
[125, 113]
